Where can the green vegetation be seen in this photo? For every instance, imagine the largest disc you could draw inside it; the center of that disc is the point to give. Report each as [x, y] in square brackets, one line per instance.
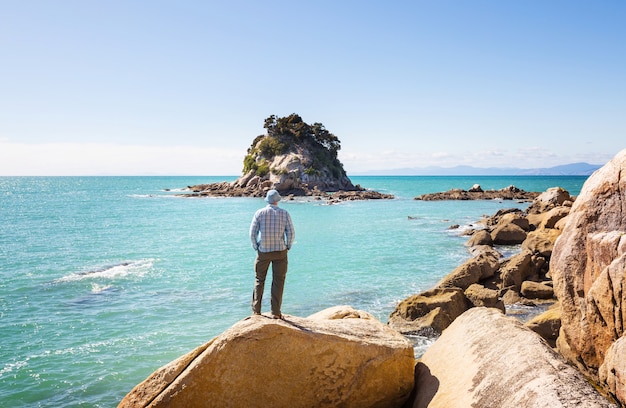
[292, 134]
[249, 163]
[263, 168]
[311, 171]
[278, 172]
[272, 146]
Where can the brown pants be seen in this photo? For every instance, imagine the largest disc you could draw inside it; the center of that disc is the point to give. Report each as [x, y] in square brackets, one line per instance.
[278, 259]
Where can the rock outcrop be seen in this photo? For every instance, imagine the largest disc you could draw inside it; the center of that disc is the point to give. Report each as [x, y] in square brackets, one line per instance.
[485, 359]
[588, 267]
[430, 312]
[336, 358]
[477, 193]
[295, 158]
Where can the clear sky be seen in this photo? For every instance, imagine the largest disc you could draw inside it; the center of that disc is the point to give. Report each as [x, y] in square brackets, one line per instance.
[182, 87]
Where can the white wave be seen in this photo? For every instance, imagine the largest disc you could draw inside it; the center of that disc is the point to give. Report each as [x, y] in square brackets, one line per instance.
[420, 343]
[96, 288]
[162, 195]
[137, 268]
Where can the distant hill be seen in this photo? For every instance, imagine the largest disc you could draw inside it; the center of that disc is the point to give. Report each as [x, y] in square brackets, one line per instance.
[574, 169]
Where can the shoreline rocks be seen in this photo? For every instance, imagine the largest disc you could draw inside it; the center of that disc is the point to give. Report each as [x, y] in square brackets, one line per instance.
[233, 189]
[488, 280]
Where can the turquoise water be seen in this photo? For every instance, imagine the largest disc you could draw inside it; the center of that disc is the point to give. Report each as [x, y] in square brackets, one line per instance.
[105, 279]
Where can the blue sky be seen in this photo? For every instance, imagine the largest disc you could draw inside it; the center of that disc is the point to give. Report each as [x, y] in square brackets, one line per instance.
[183, 87]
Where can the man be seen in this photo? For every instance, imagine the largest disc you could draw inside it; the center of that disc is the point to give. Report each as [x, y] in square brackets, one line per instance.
[272, 234]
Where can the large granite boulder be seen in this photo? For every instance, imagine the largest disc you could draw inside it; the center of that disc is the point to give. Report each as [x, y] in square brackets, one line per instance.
[347, 360]
[485, 359]
[613, 368]
[588, 267]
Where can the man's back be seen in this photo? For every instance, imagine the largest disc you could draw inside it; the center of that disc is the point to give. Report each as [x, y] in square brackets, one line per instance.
[275, 228]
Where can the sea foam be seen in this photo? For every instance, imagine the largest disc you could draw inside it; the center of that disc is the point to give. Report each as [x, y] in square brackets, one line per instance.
[139, 268]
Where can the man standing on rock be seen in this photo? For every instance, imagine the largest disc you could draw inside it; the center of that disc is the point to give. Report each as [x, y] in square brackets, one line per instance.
[272, 234]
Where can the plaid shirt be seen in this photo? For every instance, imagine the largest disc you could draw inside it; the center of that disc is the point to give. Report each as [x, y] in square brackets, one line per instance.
[275, 228]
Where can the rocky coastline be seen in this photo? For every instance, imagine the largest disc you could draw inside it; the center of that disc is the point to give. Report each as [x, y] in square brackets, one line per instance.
[488, 279]
[572, 260]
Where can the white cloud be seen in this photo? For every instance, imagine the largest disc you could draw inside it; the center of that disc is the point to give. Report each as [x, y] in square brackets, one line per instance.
[68, 159]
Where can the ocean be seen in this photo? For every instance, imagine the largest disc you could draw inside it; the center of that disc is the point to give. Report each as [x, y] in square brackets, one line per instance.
[105, 279]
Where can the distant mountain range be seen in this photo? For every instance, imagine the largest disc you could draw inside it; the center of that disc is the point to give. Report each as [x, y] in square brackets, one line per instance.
[574, 169]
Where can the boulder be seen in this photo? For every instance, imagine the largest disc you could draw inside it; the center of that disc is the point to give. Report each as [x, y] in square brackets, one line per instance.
[549, 199]
[516, 269]
[516, 218]
[553, 216]
[588, 267]
[536, 290]
[501, 213]
[481, 266]
[508, 234]
[474, 364]
[511, 297]
[547, 324]
[296, 362]
[613, 370]
[478, 295]
[429, 312]
[482, 237]
[253, 182]
[541, 241]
